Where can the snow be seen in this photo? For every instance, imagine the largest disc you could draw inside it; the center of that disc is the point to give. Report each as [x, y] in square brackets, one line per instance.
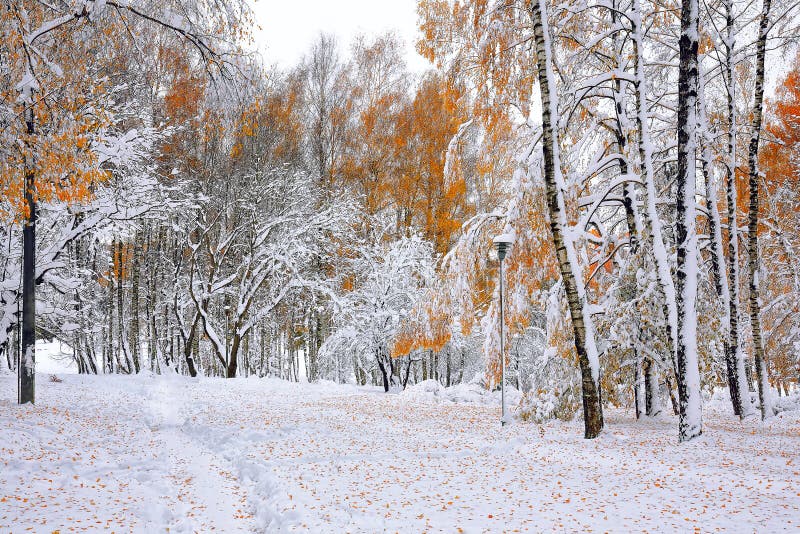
[149, 453]
[504, 238]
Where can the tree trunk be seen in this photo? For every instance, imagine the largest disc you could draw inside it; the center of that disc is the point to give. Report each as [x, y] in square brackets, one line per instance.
[122, 334]
[651, 398]
[631, 219]
[296, 365]
[688, 374]
[110, 325]
[638, 386]
[748, 371]
[752, 224]
[408, 372]
[279, 350]
[233, 360]
[171, 337]
[188, 347]
[264, 356]
[90, 353]
[316, 340]
[134, 326]
[448, 364]
[246, 355]
[651, 221]
[718, 262]
[673, 401]
[27, 364]
[361, 376]
[152, 339]
[734, 358]
[582, 325]
[384, 374]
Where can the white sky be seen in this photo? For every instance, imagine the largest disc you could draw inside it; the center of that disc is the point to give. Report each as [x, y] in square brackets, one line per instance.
[288, 27]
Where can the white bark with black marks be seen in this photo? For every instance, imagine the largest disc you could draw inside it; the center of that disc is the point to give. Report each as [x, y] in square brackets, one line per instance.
[687, 371]
[752, 223]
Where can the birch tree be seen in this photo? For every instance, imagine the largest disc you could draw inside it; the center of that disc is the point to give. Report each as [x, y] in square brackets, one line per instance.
[563, 235]
[735, 361]
[687, 370]
[754, 179]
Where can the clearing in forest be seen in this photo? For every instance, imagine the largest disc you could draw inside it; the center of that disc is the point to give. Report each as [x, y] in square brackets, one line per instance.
[152, 453]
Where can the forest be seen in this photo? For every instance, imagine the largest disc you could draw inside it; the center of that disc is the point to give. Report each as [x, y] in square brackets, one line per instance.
[173, 203]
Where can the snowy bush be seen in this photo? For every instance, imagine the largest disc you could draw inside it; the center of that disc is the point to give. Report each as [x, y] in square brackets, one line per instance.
[472, 393]
[787, 404]
[424, 391]
[540, 406]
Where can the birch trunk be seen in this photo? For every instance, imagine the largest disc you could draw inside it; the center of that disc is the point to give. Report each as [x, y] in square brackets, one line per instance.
[582, 326]
[122, 336]
[752, 226]
[652, 400]
[638, 388]
[688, 374]
[722, 284]
[110, 317]
[633, 222]
[737, 376]
[651, 221]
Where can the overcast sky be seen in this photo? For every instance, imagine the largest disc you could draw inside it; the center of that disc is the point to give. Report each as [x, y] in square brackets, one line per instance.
[289, 27]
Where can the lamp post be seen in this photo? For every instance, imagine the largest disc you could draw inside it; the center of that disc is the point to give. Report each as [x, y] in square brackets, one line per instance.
[502, 242]
[227, 350]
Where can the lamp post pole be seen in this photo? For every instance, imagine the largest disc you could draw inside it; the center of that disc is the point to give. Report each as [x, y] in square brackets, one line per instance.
[503, 242]
[503, 420]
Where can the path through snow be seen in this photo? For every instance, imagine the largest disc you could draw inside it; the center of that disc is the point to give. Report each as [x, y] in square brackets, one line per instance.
[151, 454]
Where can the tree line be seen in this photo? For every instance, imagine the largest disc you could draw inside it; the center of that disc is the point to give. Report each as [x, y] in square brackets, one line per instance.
[172, 203]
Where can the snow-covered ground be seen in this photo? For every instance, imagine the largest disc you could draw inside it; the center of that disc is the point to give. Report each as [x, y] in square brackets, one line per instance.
[151, 454]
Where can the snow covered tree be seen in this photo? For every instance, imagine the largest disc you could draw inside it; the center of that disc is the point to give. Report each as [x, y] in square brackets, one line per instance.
[563, 236]
[61, 121]
[686, 353]
[752, 220]
[778, 236]
[388, 280]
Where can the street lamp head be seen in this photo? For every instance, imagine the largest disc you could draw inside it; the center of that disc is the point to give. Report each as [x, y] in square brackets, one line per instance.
[503, 243]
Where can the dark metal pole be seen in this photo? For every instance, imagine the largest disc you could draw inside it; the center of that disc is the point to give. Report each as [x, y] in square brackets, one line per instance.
[503, 420]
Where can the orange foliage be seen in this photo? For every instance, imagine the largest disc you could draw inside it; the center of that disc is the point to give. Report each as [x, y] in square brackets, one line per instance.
[492, 52]
[779, 237]
[428, 199]
[69, 111]
[271, 125]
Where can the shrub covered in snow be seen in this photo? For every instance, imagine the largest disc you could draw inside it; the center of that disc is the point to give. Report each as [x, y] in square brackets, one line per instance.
[544, 405]
[787, 404]
[472, 393]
